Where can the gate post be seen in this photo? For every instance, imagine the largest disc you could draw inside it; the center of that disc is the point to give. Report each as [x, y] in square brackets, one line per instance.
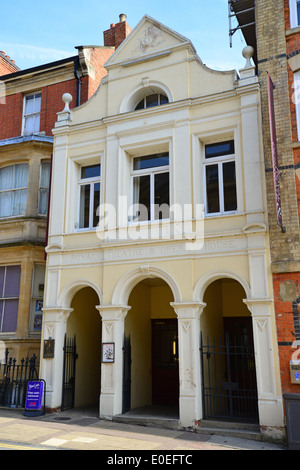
[113, 317]
[54, 327]
[190, 404]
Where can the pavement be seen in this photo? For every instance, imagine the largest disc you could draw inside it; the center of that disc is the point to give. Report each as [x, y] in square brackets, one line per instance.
[81, 429]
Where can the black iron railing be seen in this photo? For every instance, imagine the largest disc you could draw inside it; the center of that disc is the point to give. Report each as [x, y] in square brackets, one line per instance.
[229, 388]
[14, 378]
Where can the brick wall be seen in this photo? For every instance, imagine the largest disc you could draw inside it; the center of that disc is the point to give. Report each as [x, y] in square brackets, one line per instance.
[11, 116]
[271, 19]
[114, 36]
[287, 302]
[6, 64]
[89, 85]
[273, 48]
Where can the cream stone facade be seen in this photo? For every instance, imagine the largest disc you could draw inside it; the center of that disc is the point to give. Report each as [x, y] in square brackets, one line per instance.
[162, 281]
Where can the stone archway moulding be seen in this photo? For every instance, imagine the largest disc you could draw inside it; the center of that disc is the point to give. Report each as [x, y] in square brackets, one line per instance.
[129, 280]
[67, 293]
[146, 87]
[208, 278]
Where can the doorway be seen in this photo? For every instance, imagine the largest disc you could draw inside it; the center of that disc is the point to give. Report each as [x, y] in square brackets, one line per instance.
[85, 325]
[229, 388]
[165, 372]
[152, 372]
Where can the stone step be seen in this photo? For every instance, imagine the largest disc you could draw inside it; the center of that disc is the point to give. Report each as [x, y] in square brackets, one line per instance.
[148, 421]
[230, 429]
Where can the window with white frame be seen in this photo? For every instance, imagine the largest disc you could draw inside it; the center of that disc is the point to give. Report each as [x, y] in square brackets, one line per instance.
[9, 297]
[13, 190]
[44, 188]
[31, 113]
[155, 99]
[296, 100]
[150, 188]
[294, 13]
[220, 178]
[89, 196]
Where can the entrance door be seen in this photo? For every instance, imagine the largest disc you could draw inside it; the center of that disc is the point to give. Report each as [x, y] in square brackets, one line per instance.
[70, 356]
[229, 388]
[165, 371]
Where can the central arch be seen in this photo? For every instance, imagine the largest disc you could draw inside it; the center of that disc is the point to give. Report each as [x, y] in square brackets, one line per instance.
[151, 333]
[129, 280]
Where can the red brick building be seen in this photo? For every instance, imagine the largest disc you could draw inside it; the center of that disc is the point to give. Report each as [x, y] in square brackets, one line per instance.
[29, 102]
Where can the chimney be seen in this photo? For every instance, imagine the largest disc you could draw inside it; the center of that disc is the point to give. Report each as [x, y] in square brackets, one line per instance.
[114, 36]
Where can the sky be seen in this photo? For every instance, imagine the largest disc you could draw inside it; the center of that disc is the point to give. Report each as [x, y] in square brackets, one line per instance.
[34, 33]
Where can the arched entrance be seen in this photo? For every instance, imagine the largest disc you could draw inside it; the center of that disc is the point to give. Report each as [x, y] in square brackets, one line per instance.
[84, 324]
[229, 388]
[151, 327]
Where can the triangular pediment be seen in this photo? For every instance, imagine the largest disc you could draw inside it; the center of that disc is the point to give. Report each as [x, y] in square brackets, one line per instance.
[148, 38]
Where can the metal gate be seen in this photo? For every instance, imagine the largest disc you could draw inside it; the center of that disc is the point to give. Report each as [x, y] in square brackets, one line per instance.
[229, 381]
[126, 374]
[69, 367]
[14, 378]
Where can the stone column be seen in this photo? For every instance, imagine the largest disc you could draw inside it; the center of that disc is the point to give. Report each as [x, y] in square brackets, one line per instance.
[190, 404]
[269, 404]
[113, 317]
[54, 327]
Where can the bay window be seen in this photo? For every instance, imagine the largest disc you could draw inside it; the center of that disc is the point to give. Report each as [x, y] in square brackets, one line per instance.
[13, 190]
[220, 178]
[44, 188]
[9, 297]
[150, 188]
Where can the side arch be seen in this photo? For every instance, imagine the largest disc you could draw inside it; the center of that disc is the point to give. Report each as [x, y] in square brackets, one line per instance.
[67, 293]
[129, 280]
[208, 278]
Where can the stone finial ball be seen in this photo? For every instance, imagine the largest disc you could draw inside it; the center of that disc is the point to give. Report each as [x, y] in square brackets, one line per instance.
[248, 52]
[67, 98]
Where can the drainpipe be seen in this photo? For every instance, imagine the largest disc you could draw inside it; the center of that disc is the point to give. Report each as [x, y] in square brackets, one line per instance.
[76, 73]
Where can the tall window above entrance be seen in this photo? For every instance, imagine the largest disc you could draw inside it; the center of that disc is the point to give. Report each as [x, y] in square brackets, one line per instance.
[150, 188]
[89, 196]
[220, 178]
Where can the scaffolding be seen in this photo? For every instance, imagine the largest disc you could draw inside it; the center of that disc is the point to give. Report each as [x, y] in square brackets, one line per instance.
[244, 12]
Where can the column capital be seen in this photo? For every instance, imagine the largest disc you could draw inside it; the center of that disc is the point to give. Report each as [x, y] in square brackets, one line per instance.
[188, 309]
[259, 306]
[57, 314]
[113, 312]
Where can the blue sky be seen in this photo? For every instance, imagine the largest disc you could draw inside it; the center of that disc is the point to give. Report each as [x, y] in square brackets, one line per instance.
[35, 32]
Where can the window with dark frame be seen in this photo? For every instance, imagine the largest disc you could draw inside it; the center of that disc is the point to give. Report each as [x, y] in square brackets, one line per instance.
[220, 178]
[150, 183]
[156, 99]
[9, 297]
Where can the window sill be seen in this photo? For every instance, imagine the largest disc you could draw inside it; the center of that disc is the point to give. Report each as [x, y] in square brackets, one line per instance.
[291, 31]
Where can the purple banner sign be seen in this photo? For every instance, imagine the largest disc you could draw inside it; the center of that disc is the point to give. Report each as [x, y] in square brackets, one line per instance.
[274, 152]
[34, 397]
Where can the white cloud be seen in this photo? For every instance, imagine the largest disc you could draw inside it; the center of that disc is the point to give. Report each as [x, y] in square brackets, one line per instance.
[34, 54]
